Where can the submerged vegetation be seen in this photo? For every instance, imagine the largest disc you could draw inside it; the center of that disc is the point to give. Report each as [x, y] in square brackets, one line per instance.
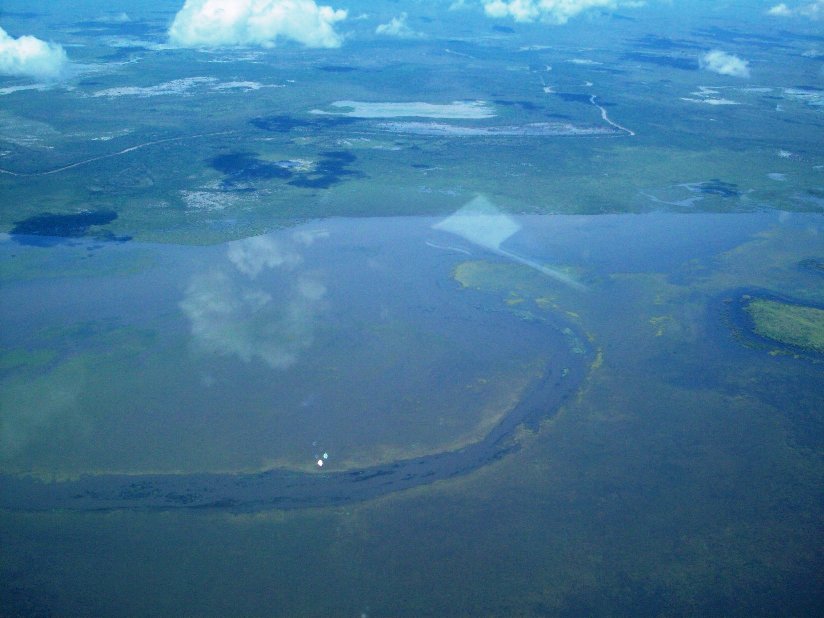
[515, 283]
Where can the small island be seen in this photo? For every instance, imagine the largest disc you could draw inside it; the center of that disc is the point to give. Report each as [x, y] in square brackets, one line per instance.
[783, 324]
[791, 324]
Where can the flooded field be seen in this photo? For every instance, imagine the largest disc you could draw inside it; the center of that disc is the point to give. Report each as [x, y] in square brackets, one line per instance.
[411, 309]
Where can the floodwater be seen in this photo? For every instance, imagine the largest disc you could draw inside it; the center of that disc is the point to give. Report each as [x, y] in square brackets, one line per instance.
[140, 380]
[349, 338]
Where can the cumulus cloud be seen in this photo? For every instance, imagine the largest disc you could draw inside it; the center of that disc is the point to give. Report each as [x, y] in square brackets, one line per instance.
[723, 63]
[781, 10]
[216, 23]
[31, 57]
[813, 10]
[550, 11]
[398, 27]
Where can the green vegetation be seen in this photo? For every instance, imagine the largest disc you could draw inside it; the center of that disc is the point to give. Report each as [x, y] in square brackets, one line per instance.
[514, 282]
[786, 323]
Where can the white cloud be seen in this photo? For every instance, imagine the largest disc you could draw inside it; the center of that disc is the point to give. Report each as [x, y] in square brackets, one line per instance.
[780, 9]
[29, 56]
[813, 10]
[215, 23]
[723, 63]
[550, 11]
[398, 27]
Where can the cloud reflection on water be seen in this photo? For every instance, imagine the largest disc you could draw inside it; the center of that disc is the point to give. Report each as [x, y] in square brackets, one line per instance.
[260, 305]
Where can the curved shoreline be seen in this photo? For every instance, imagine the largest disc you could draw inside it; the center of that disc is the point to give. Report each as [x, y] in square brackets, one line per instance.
[286, 489]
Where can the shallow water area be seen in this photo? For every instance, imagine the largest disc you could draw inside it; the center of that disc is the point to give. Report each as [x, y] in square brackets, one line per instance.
[341, 336]
[606, 458]
[354, 349]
